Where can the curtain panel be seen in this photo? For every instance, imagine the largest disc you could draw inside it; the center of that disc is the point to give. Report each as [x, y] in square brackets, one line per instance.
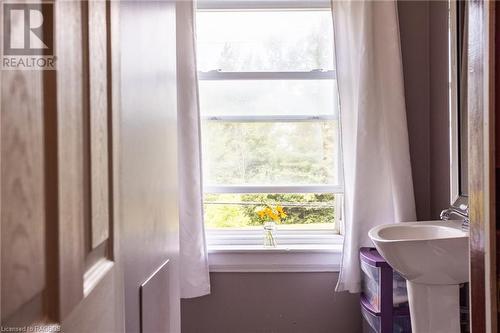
[195, 279]
[375, 146]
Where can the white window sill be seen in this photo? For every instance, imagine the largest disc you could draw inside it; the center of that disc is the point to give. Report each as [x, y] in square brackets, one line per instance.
[283, 258]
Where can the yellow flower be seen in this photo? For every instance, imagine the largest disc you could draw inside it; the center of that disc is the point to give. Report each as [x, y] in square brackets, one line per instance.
[274, 213]
[275, 218]
[281, 211]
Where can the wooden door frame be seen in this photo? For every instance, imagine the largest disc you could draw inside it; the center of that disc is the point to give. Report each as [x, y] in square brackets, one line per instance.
[481, 109]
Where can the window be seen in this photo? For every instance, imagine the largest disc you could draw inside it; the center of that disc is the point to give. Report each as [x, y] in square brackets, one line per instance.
[269, 107]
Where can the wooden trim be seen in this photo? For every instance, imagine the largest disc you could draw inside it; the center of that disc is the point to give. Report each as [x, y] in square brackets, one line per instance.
[476, 181]
[95, 274]
[481, 167]
[1, 145]
[70, 156]
[113, 65]
[98, 74]
[87, 219]
[497, 156]
[51, 195]
[114, 101]
[491, 280]
[23, 220]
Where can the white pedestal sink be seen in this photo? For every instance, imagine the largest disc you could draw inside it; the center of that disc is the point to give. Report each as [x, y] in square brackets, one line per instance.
[434, 258]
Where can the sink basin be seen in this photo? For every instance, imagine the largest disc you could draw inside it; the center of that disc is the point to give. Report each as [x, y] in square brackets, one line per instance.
[433, 256]
[434, 252]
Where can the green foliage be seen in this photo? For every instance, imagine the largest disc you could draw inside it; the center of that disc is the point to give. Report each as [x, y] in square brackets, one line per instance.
[270, 153]
[239, 210]
[225, 216]
[280, 153]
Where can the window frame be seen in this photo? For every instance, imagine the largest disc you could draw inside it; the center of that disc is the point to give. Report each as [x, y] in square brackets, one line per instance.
[262, 4]
[220, 242]
[315, 74]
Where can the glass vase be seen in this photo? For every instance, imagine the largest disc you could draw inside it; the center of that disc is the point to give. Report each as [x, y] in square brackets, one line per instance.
[270, 234]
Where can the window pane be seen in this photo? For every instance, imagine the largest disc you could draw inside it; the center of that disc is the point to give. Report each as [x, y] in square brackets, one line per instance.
[304, 210]
[281, 40]
[279, 153]
[269, 97]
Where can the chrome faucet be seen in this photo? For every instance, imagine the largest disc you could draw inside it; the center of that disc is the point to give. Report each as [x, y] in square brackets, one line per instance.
[462, 212]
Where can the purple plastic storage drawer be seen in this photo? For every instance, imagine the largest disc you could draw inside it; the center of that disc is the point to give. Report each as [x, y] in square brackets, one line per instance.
[401, 323]
[384, 299]
[374, 269]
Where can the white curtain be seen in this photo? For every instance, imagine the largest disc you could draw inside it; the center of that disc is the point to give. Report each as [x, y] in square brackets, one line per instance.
[195, 280]
[377, 169]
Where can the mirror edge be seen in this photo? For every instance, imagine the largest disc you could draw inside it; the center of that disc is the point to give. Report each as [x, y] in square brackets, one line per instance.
[457, 200]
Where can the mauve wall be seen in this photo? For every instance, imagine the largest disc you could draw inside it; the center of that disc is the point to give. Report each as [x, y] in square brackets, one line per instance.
[424, 45]
[305, 302]
[272, 302]
[439, 108]
[414, 32]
